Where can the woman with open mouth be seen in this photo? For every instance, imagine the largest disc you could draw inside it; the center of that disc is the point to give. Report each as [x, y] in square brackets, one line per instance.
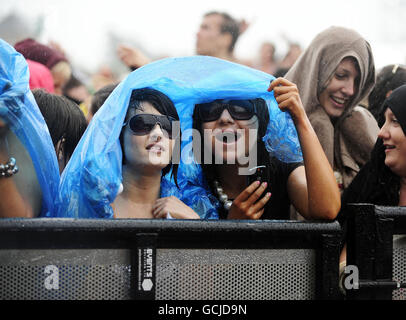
[246, 116]
[334, 74]
[232, 132]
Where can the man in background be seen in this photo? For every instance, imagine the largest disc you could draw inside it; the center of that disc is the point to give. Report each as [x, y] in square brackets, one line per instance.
[217, 37]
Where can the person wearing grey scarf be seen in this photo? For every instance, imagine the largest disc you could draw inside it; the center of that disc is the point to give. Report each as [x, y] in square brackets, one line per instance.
[334, 74]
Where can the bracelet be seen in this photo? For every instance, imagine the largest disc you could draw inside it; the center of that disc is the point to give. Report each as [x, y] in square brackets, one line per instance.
[8, 169]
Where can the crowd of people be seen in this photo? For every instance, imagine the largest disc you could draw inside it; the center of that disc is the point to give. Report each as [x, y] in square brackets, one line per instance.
[179, 138]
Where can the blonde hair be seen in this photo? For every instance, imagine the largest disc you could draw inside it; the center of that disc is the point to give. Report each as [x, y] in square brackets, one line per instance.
[62, 68]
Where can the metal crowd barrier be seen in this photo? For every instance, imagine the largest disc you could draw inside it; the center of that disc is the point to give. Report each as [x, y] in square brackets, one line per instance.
[96, 259]
[376, 245]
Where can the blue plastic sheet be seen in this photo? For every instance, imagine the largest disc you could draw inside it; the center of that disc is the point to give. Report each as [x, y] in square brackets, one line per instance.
[20, 111]
[90, 182]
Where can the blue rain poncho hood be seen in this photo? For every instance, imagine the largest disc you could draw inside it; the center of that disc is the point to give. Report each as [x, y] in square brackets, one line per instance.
[21, 113]
[92, 178]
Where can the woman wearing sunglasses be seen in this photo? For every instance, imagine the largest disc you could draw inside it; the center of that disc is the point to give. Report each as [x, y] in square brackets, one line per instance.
[226, 124]
[147, 140]
[92, 178]
[119, 166]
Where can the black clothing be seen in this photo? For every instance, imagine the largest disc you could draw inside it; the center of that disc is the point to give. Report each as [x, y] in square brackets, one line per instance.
[278, 205]
[396, 102]
[375, 183]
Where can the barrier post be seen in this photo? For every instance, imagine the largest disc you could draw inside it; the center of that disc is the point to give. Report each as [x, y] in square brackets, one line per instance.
[144, 265]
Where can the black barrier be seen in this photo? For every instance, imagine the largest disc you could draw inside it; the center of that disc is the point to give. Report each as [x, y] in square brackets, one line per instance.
[168, 259]
[376, 245]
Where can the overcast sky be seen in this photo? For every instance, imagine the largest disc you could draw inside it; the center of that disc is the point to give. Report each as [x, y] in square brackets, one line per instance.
[169, 27]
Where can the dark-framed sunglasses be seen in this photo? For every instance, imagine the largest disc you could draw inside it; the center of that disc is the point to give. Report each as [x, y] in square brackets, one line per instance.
[142, 124]
[238, 109]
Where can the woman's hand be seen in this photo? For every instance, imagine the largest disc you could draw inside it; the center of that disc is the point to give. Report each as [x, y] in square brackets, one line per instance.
[175, 207]
[286, 94]
[246, 206]
[313, 189]
[132, 57]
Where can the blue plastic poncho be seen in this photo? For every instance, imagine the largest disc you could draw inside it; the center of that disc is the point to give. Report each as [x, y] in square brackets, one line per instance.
[92, 178]
[21, 113]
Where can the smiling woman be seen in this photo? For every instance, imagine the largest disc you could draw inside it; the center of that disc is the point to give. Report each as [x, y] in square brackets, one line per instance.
[393, 137]
[341, 88]
[147, 142]
[382, 181]
[92, 179]
[333, 75]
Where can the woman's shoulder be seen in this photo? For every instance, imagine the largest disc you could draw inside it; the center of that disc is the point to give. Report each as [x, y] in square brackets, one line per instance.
[280, 168]
[360, 114]
[360, 128]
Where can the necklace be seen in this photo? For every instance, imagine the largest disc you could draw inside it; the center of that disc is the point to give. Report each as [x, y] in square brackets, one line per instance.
[222, 196]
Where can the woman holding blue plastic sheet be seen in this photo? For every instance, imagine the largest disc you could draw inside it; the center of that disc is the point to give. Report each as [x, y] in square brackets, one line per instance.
[92, 179]
[147, 140]
[29, 175]
[309, 185]
[147, 136]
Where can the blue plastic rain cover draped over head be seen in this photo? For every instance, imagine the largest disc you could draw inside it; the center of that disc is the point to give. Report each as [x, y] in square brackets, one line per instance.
[92, 178]
[20, 111]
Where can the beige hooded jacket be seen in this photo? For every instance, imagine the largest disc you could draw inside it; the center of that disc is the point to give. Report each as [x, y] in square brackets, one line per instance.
[349, 141]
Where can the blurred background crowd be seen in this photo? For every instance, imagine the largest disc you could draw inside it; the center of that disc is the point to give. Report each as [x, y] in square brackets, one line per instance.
[103, 42]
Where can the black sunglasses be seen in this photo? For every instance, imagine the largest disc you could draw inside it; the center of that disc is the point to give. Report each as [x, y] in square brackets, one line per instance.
[238, 109]
[142, 124]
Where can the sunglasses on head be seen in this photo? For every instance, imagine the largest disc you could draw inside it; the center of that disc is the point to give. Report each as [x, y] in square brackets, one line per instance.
[238, 109]
[142, 124]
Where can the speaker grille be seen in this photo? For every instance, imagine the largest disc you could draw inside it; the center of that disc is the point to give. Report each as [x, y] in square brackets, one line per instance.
[399, 265]
[187, 274]
[235, 274]
[81, 274]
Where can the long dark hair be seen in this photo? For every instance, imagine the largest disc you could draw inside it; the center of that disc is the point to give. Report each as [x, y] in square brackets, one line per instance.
[165, 106]
[375, 182]
[389, 78]
[63, 118]
[209, 171]
[100, 96]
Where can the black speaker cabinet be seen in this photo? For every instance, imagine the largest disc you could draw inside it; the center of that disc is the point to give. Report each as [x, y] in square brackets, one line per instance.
[120, 259]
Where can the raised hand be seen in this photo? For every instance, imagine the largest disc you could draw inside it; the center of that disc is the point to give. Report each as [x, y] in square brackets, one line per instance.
[286, 94]
[132, 57]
